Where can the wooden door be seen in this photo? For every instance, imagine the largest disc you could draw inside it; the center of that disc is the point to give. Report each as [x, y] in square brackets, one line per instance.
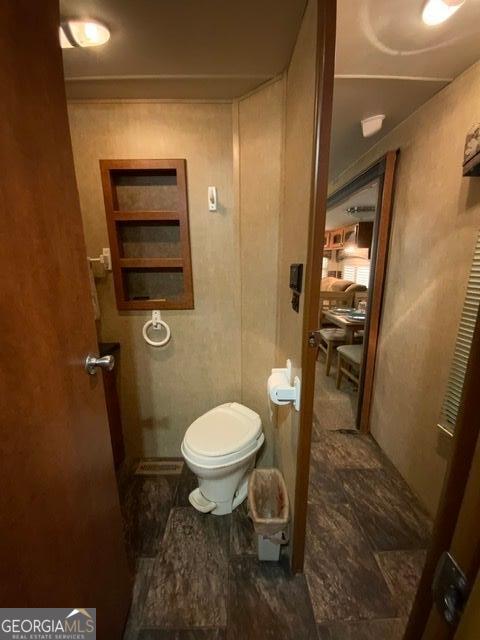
[469, 627]
[456, 527]
[465, 548]
[61, 541]
[325, 64]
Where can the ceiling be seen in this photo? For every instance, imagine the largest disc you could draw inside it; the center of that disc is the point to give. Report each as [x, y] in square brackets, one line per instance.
[338, 217]
[387, 60]
[181, 48]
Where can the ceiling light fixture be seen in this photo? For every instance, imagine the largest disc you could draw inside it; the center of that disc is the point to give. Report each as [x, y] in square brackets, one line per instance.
[83, 33]
[437, 11]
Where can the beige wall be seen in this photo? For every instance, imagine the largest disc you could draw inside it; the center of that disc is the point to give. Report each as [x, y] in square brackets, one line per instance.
[164, 390]
[294, 225]
[223, 349]
[260, 135]
[435, 223]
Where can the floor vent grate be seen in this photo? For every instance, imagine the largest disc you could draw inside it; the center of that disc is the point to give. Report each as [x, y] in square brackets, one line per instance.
[159, 468]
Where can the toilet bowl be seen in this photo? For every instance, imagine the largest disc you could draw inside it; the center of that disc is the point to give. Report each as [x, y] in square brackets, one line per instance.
[220, 448]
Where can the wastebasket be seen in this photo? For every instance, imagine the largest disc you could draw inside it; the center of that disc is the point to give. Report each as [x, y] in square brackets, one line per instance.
[269, 510]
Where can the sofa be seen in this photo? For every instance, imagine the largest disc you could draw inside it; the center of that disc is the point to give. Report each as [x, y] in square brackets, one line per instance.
[336, 284]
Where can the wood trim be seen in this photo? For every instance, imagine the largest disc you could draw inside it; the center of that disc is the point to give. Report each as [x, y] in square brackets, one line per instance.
[325, 63]
[377, 289]
[147, 216]
[465, 438]
[144, 165]
[115, 249]
[150, 305]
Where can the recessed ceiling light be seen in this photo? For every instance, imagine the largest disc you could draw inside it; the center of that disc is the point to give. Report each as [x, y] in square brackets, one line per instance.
[437, 11]
[83, 33]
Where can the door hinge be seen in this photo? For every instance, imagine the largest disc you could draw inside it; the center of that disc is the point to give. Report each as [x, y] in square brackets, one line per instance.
[312, 341]
[450, 588]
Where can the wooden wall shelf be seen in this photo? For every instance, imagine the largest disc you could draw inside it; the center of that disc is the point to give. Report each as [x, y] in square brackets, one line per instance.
[148, 226]
[151, 263]
[129, 216]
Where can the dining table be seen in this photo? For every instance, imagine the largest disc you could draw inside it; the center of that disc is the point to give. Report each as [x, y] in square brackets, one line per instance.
[348, 324]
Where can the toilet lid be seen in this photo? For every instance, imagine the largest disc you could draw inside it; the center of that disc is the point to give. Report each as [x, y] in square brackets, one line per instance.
[225, 429]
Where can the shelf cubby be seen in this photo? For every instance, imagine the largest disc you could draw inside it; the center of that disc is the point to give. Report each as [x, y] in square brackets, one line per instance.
[147, 218]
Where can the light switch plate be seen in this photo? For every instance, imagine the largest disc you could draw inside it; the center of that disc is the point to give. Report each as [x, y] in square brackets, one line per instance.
[212, 198]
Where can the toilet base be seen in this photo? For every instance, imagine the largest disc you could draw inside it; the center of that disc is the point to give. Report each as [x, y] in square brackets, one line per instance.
[219, 508]
[199, 502]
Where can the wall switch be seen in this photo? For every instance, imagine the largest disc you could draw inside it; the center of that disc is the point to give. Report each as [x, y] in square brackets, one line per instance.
[212, 198]
[106, 259]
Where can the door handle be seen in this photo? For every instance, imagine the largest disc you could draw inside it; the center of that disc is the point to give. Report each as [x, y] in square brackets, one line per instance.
[92, 362]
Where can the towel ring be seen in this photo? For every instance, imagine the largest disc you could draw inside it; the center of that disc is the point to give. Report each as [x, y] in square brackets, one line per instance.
[156, 322]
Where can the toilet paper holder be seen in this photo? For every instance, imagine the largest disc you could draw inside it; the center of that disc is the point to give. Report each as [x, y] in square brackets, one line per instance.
[280, 388]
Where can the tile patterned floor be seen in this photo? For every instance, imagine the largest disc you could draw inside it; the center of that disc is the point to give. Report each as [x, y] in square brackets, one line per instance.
[366, 540]
[201, 579]
[197, 576]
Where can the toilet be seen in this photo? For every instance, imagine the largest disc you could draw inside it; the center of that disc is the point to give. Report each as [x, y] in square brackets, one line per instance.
[220, 448]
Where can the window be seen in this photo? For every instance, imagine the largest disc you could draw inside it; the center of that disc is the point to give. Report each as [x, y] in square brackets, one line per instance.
[363, 275]
[359, 275]
[324, 267]
[453, 395]
[349, 273]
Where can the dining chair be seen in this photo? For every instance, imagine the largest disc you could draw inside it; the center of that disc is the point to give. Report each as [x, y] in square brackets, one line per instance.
[349, 360]
[328, 340]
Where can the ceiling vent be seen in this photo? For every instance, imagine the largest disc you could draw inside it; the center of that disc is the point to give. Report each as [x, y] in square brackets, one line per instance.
[372, 125]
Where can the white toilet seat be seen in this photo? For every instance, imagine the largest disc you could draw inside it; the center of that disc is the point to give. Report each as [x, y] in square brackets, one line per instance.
[217, 462]
[222, 431]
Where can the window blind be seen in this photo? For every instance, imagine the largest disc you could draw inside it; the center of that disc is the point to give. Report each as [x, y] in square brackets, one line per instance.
[349, 273]
[453, 394]
[363, 276]
[324, 267]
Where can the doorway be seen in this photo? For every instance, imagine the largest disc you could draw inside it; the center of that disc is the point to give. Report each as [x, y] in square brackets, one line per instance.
[357, 235]
[366, 533]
